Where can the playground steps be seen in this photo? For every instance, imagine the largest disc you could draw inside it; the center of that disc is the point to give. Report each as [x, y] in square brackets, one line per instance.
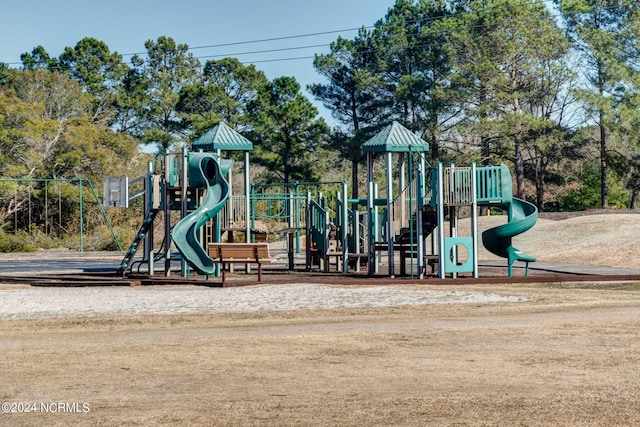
[429, 219]
[429, 223]
[131, 252]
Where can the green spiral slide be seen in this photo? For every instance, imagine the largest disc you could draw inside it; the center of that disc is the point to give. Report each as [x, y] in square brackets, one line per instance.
[522, 216]
[206, 173]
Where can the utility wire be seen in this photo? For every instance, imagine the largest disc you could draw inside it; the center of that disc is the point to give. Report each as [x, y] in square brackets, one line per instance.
[421, 21]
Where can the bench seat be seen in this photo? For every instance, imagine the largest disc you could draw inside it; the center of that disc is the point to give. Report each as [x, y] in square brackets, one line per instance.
[239, 253]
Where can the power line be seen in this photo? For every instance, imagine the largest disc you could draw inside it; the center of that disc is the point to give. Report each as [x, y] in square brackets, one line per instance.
[281, 59]
[420, 21]
[263, 51]
[297, 36]
[533, 31]
[282, 37]
[415, 21]
[279, 38]
[211, 46]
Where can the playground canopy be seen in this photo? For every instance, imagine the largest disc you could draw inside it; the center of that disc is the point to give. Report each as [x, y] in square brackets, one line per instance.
[395, 138]
[224, 138]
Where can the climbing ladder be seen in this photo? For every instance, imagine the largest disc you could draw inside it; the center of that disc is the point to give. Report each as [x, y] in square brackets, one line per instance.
[131, 252]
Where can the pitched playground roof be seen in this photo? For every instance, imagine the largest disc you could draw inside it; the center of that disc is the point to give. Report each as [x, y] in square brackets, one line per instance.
[222, 137]
[395, 138]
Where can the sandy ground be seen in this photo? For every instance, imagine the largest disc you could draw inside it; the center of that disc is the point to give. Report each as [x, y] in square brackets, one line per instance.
[327, 355]
[597, 239]
[33, 302]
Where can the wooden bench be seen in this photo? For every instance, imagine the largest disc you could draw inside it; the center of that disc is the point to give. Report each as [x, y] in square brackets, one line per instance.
[239, 253]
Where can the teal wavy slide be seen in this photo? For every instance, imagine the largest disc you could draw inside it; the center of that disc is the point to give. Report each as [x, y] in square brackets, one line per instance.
[204, 172]
[522, 216]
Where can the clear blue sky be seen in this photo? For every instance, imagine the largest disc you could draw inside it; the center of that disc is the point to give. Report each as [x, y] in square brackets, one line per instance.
[125, 26]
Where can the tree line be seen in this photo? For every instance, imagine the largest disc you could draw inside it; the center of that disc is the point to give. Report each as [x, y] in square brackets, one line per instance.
[549, 87]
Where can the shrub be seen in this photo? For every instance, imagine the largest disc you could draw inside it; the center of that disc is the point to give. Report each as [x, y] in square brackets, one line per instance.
[106, 242]
[18, 242]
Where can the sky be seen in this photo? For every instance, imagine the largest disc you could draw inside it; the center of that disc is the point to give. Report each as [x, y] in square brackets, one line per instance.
[125, 25]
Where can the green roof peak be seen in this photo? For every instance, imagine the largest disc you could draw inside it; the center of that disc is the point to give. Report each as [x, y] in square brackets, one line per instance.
[222, 137]
[395, 138]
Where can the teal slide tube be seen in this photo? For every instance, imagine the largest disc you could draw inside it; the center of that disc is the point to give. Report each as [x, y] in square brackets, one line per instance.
[204, 172]
[522, 216]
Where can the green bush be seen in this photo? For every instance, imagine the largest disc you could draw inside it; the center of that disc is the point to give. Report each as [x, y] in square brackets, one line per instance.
[19, 242]
[42, 241]
[106, 242]
[588, 194]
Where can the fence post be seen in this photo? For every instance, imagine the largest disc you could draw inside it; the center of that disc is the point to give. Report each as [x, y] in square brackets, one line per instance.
[81, 220]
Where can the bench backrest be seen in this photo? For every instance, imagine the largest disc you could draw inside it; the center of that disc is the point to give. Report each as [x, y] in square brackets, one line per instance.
[238, 250]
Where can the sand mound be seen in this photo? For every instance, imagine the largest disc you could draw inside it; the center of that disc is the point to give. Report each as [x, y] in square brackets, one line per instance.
[606, 240]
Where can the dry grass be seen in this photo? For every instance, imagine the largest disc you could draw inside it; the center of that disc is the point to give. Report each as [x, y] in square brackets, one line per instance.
[566, 357]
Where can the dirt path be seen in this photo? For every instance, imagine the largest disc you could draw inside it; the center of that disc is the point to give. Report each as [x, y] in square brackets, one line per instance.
[562, 357]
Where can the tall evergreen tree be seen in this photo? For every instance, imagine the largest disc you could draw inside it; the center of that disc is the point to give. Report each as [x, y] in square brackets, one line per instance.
[352, 94]
[597, 29]
[410, 43]
[168, 68]
[4, 69]
[287, 130]
[502, 60]
[38, 59]
[99, 70]
[226, 90]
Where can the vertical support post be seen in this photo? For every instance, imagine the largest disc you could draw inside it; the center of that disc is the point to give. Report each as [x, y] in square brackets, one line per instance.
[356, 237]
[218, 239]
[184, 184]
[247, 199]
[59, 206]
[81, 219]
[167, 216]
[376, 229]
[371, 222]
[252, 215]
[474, 219]
[345, 228]
[419, 230]
[247, 205]
[290, 235]
[308, 221]
[46, 207]
[402, 199]
[296, 217]
[440, 210]
[423, 183]
[15, 214]
[230, 204]
[148, 239]
[326, 228]
[326, 232]
[412, 229]
[29, 204]
[390, 227]
[218, 229]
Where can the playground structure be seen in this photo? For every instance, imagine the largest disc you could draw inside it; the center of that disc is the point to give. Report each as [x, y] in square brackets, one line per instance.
[420, 223]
